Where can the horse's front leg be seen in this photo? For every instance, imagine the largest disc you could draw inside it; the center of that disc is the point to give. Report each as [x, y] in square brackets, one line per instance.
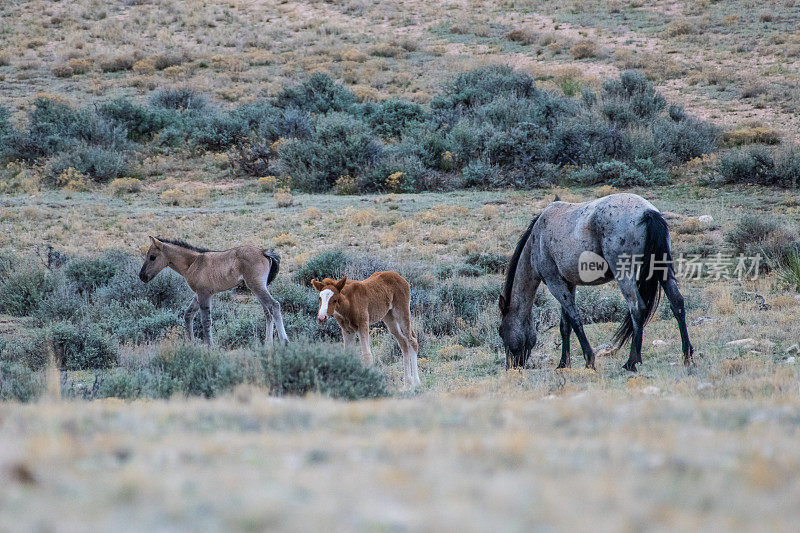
[205, 317]
[565, 294]
[348, 338]
[188, 317]
[363, 337]
[566, 334]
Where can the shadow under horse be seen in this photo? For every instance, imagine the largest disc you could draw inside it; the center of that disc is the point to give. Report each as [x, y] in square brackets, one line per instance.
[622, 237]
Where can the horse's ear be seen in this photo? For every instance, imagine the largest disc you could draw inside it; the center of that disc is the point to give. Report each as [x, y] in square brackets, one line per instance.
[155, 243]
[557, 199]
[317, 284]
[502, 303]
[340, 283]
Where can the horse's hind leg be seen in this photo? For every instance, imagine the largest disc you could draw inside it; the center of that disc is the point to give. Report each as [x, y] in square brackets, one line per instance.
[679, 311]
[638, 311]
[565, 294]
[188, 317]
[272, 310]
[408, 345]
[566, 333]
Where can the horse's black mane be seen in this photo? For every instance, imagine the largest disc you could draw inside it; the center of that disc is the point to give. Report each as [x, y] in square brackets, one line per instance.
[184, 244]
[512, 265]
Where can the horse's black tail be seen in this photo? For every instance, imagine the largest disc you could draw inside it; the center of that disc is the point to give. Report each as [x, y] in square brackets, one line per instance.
[650, 276]
[275, 267]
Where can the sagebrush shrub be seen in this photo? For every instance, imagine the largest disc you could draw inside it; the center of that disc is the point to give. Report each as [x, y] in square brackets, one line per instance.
[391, 117]
[90, 273]
[758, 165]
[300, 368]
[19, 383]
[139, 121]
[482, 85]
[81, 348]
[319, 94]
[217, 131]
[100, 164]
[22, 290]
[329, 264]
[774, 241]
[179, 99]
[194, 370]
[630, 98]
[340, 145]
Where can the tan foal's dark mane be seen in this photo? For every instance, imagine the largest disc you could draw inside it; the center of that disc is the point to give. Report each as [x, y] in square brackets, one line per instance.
[184, 244]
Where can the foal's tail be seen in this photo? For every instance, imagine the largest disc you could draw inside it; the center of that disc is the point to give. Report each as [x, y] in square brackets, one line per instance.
[650, 276]
[275, 264]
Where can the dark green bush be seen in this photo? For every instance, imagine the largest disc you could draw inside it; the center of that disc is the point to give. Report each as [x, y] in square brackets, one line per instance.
[391, 117]
[122, 384]
[487, 263]
[238, 329]
[89, 273]
[19, 383]
[194, 370]
[480, 173]
[301, 368]
[479, 86]
[139, 121]
[330, 264]
[22, 291]
[340, 145]
[776, 242]
[758, 165]
[586, 142]
[180, 99]
[100, 164]
[620, 174]
[319, 94]
[136, 320]
[63, 303]
[631, 98]
[81, 348]
[29, 350]
[680, 141]
[217, 131]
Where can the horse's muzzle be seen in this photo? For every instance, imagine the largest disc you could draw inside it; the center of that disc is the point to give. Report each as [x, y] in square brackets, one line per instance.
[143, 276]
[321, 320]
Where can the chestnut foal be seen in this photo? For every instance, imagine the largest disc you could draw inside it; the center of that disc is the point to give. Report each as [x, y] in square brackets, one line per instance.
[357, 304]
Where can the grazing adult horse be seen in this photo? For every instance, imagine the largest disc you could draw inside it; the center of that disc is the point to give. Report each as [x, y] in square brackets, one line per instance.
[357, 304]
[208, 272]
[622, 237]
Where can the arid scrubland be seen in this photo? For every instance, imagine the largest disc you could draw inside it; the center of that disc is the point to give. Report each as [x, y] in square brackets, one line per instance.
[152, 110]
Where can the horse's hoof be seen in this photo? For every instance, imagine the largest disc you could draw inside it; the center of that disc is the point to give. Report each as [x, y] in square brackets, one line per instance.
[630, 367]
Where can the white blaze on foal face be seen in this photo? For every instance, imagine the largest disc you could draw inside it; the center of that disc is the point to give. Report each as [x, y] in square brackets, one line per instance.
[324, 300]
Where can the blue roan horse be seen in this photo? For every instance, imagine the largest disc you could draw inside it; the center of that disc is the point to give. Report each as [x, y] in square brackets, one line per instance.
[622, 237]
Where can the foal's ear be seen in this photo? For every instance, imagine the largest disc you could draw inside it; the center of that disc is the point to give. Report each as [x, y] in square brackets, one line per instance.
[340, 283]
[502, 303]
[317, 284]
[155, 242]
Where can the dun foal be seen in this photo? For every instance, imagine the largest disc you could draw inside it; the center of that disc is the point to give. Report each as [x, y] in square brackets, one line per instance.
[208, 272]
[357, 304]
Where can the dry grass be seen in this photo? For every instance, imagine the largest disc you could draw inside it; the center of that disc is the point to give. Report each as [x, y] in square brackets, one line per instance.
[446, 462]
